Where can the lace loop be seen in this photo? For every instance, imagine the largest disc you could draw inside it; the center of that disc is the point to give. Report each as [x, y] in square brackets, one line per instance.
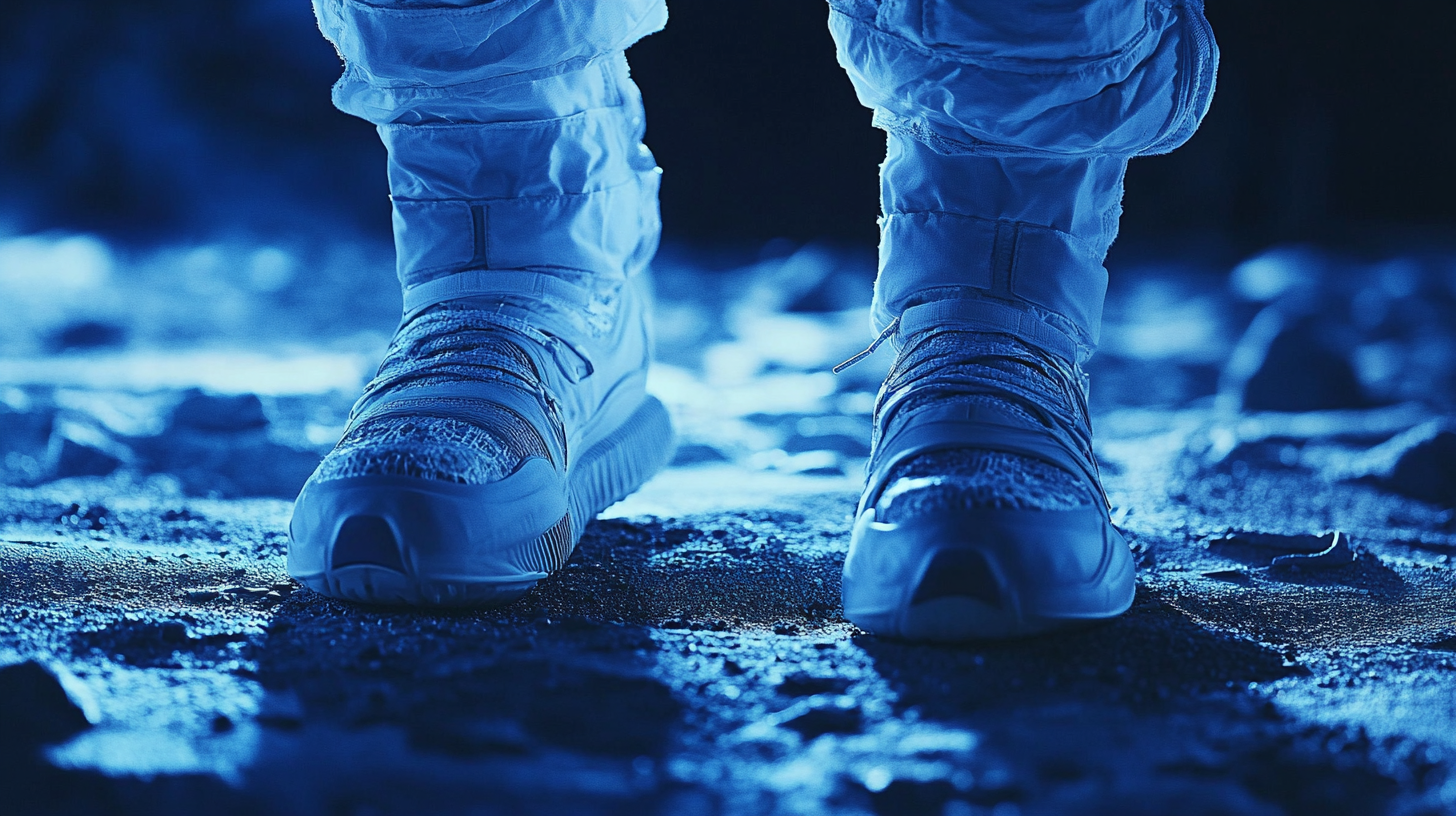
[986, 368]
[442, 348]
[873, 347]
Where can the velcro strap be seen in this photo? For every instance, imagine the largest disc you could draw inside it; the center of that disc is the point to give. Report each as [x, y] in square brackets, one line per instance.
[485, 283]
[990, 316]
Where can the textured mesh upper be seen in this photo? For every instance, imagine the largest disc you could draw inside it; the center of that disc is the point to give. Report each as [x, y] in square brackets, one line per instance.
[937, 369]
[466, 441]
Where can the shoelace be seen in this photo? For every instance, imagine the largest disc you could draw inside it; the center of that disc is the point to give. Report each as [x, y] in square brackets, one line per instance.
[450, 345]
[979, 364]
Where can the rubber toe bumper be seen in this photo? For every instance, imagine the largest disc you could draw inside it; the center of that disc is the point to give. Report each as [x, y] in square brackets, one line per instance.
[421, 542]
[966, 574]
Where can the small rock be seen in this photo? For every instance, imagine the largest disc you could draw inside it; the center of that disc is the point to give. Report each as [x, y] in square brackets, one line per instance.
[82, 450]
[173, 632]
[1337, 553]
[199, 411]
[470, 737]
[1445, 644]
[1281, 551]
[695, 454]
[242, 463]
[247, 592]
[803, 684]
[88, 334]
[678, 535]
[842, 716]
[42, 704]
[281, 709]
[91, 518]
[908, 796]
[25, 432]
[1295, 364]
[1420, 463]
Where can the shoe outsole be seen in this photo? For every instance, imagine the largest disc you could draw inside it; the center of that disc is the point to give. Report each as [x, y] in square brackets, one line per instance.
[602, 475]
[986, 574]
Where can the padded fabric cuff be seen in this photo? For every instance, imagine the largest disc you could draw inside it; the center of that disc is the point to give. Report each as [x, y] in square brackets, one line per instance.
[1026, 231]
[1006, 260]
[611, 231]
[589, 151]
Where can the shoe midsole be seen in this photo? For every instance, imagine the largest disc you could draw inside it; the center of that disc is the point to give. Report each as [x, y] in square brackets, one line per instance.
[483, 533]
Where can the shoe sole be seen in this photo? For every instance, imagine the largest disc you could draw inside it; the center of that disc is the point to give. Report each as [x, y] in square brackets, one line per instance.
[419, 542]
[980, 574]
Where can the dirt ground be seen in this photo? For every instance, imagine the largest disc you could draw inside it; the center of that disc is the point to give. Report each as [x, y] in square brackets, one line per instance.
[1287, 485]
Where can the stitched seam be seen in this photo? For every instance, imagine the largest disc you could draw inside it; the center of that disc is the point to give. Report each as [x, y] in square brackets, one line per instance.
[487, 201]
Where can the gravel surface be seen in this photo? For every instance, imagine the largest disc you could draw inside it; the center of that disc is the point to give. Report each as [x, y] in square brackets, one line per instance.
[1292, 647]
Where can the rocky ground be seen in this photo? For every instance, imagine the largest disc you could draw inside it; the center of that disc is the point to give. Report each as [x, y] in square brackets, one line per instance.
[1278, 443]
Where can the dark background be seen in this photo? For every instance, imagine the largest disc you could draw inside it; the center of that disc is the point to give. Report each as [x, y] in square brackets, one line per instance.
[173, 120]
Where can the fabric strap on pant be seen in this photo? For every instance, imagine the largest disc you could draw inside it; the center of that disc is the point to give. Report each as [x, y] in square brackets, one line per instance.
[988, 316]
[979, 315]
[1006, 260]
[478, 283]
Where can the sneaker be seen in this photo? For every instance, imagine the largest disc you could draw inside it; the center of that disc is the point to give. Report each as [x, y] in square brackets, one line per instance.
[983, 515]
[509, 411]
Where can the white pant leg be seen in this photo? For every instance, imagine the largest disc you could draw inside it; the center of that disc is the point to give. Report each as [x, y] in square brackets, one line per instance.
[1010, 124]
[513, 129]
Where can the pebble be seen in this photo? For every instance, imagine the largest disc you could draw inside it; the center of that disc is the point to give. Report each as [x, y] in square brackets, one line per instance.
[1419, 463]
[1303, 367]
[209, 412]
[71, 456]
[42, 704]
[25, 431]
[841, 716]
[1424, 465]
[1282, 551]
[804, 684]
[281, 709]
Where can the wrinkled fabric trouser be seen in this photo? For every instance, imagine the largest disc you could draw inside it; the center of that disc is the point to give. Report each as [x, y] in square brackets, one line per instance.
[514, 135]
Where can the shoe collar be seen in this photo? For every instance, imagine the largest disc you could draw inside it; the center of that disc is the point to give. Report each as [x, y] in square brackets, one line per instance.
[980, 315]
[515, 284]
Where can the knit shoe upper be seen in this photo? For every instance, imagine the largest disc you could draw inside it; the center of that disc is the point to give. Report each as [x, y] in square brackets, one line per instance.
[450, 344]
[509, 410]
[996, 371]
[983, 514]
